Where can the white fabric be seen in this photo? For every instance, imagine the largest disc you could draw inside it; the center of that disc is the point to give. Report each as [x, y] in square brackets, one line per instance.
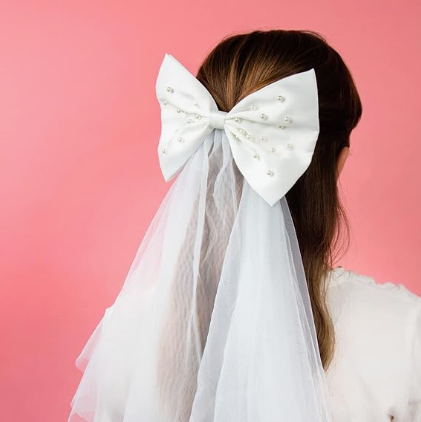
[376, 371]
[291, 126]
[213, 322]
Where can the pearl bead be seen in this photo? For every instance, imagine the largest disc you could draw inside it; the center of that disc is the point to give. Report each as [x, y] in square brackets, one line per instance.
[280, 98]
[238, 119]
[272, 150]
[263, 116]
[198, 116]
[253, 107]
[178, 110]
[281, 127]
[165, 102]
[170, 89]
[248, 136]
[164, 151]
[189, 120]
[288, 119]
[256, 155]
[263, 138]
[269, 172]
[180, 139]
[289, 145]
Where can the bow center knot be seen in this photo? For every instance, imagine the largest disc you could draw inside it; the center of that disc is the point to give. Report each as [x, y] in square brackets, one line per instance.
[217, 118]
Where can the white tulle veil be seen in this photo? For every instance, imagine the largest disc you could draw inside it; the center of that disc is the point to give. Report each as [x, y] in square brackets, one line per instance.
[213, 322]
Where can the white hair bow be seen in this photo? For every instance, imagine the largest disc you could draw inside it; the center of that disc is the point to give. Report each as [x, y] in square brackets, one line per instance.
[272, 131]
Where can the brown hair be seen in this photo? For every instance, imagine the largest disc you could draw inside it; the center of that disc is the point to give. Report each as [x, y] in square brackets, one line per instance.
[242, 63]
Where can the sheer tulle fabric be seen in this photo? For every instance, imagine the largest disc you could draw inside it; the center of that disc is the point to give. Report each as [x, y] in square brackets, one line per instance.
[213, 322]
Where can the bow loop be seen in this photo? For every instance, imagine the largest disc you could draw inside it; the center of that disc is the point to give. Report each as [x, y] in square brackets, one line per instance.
[272, 132]
[217, 119]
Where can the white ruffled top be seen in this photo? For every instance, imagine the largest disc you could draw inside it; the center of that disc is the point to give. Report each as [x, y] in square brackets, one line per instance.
[376, 371]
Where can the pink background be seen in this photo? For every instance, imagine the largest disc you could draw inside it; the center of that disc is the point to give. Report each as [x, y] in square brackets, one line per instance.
[80, 181]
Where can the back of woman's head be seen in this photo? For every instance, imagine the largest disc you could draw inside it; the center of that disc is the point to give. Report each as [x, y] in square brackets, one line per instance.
[243, 63]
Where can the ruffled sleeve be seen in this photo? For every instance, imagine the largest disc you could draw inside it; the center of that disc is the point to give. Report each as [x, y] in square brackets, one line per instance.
[413, 413]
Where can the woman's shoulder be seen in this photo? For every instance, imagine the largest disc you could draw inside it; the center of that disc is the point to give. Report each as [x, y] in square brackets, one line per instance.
[369, 305]
[378, 336]
[354, 284]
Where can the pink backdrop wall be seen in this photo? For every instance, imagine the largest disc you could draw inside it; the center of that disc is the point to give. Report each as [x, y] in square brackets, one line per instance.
[80, 183]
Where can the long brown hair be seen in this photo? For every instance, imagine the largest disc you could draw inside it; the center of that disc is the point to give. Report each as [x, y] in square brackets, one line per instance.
[242, 63]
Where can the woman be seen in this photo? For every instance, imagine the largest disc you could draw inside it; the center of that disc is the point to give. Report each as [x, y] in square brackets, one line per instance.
[368, 334]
